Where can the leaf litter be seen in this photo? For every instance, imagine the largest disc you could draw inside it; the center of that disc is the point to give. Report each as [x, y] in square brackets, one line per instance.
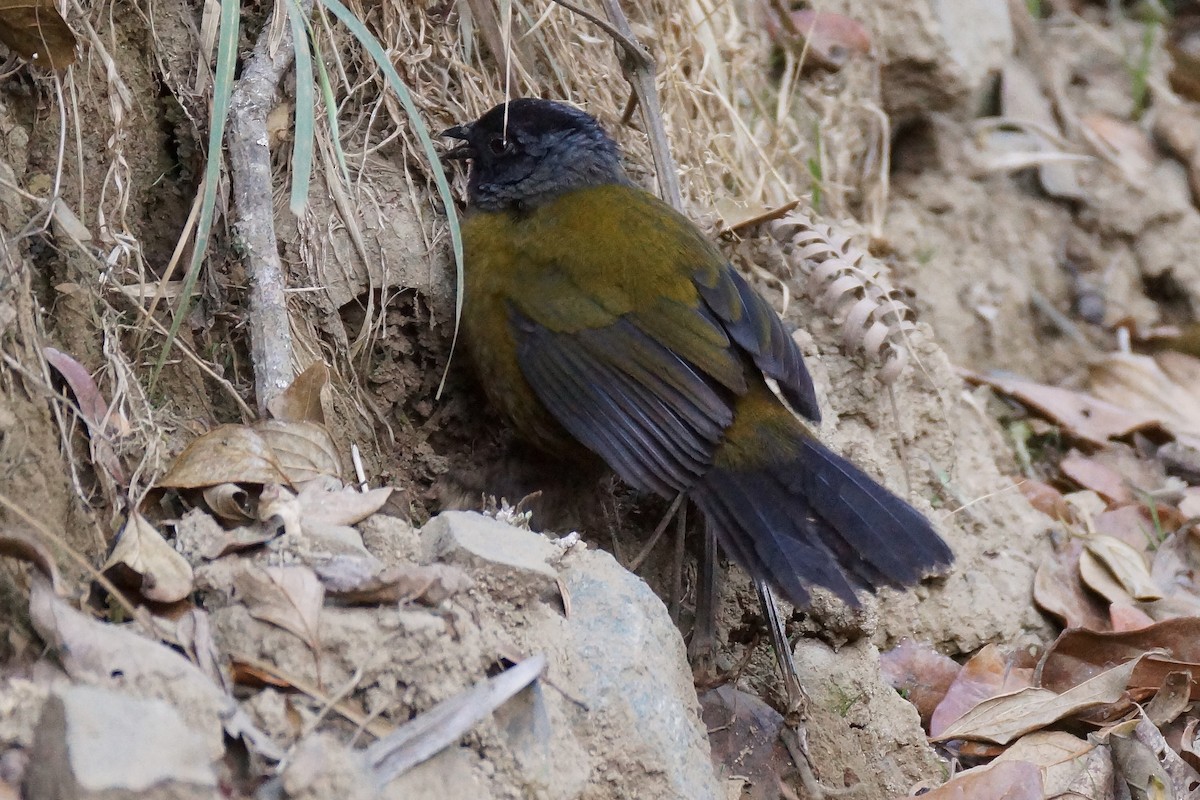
[1112, 702]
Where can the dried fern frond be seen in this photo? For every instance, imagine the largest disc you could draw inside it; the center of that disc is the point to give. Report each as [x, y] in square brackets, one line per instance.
[848, 284]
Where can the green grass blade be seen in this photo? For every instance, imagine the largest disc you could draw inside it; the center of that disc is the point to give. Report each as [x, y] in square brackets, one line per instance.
[302, 144]
[227, 40]
[376, 51]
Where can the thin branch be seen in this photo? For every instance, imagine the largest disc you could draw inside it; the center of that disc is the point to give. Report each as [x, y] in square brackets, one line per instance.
[254, 210]
[639, 67]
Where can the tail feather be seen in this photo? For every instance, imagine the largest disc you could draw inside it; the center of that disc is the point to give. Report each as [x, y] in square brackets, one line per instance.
[818, 520]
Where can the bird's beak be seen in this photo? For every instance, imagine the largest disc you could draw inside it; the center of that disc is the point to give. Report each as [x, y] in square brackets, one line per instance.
[464, 150]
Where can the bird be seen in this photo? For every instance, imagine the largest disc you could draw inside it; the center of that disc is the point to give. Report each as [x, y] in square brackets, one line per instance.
[602, 323]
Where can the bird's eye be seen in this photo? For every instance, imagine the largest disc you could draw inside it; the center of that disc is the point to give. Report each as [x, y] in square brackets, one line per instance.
[499, 145]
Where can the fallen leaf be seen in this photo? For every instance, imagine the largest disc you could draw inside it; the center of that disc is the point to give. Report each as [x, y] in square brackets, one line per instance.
[1125, 564]
[1140, 383]
[1158, 650]
[305, 450]
[1006, 717]
[226, 454]
[194, 632]
[301, 401]
[24, 546]
[920, 673]
[239, 539]
[1060, 756]
[361, 581]
[290, 597]
[230, 502]
[325, 501]
[829, 40]
[1171, 700]
[1184, 779]
[1125, 617]
[103, 422]
[988, 673]
[1188, 745]
[1175, 570]
[1083, 416]
[1137, 765]
[34, 30]
[92, 406]
[143, 561]
[1004, 780]
[113, 656]
[1059, 590]
[1091, 474]
[267, 452]
[1046, 499]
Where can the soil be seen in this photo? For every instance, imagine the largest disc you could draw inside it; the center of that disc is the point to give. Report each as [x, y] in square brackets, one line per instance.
[970, 251]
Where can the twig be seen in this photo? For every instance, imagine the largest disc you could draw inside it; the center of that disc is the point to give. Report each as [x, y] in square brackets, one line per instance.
[639, 67]
[658, 532]
[254, 214]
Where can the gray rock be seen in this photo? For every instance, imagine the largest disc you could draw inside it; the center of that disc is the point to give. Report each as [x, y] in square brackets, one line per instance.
[97, 744]
[512, 562]
[323, 767]
[616, 715]
[632, 676]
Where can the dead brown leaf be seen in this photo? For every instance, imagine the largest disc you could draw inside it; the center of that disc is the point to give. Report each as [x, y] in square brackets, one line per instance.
[1059, 590]
[103, 423]
[1171, 700]
[290, 597]
[1046, 499]
[1148, 764]
[362, 581]
[100, 654]
[239, 539]
[920, 673]
[301, 402]
[1158, 650]
[1060, 756]
[828, 40]
[226, 454]
[143, 561]
[1083, 416]
[267, 452]
[988, 673]
[1140, 384]
[1006, 717]
[1100, 478]
[1175, 570]
[230, 502]
[1124, 564]
[34, 30]
[1004, 780]
[305, 450]
[1124, 617]
[24, 546]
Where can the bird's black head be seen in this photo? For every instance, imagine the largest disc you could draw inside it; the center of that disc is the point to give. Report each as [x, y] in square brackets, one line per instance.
[536, 151]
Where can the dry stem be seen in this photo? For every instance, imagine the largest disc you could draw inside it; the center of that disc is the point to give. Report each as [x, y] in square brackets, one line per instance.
[254, 211]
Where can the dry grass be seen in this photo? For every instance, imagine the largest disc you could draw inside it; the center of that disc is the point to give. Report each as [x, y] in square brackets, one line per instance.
[745, 128]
